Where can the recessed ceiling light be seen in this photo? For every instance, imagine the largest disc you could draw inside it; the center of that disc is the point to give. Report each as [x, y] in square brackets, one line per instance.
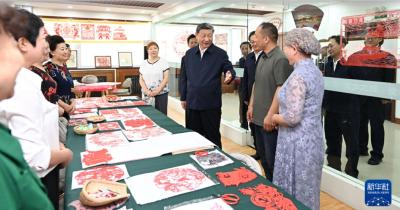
[108, 9]
[232, 5]
[225, 16]
[142, 11]
[70, 7]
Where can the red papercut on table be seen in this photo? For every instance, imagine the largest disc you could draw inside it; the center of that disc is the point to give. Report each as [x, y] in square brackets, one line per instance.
[109, 173]
[179, 179]
[236, 177]
[268, 197]
[145, 133]
[132, 124]
[130, 110]
[121, 104]
[82, 111]
[114, 205]
[98, 141]
[75, 122]
[108, 111]
[93, 158]
[108, 126]
[88, 103]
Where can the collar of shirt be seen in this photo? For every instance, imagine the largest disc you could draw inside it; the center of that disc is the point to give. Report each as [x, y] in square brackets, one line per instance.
[270, 53]
[202, 51]
[257, 54]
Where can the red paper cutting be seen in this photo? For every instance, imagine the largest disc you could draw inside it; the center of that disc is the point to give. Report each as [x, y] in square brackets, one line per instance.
[108, 126]
[268, 197]
[179, 179]
[108, 111]
[237, 176]
[109, 173]
[96, 157]
[138, 123]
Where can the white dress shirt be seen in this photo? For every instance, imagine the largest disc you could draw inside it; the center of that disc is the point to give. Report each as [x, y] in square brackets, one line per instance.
[32, 120]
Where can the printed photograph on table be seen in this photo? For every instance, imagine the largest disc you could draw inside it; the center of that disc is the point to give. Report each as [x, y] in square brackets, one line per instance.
[102, 61]
[108, 173]
[125, 59]
[133, 124]
[99, 141]
[108, 126]
[158, 185]
[94, 158]
[211, 159]
[145, 133]
[72, 62]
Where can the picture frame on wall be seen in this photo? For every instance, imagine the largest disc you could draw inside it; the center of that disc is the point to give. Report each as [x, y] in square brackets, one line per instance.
[102, 61]
[72, 62]
[125, 59]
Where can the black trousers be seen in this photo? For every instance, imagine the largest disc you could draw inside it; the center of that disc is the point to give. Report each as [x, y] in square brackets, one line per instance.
[206, 123]
[336, 126]
[161, 103]
[50, 181]
[253, 134]
[266, 145]
[242, 112]
[372, 110]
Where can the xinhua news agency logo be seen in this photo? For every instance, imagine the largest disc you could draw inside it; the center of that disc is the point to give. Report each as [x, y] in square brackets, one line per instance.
[378, 192]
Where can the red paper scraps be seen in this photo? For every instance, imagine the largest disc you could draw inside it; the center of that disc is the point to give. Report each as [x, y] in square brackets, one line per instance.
[237, 176]
[179, 179]
[109, 173]
[108, 126]
[268, 197]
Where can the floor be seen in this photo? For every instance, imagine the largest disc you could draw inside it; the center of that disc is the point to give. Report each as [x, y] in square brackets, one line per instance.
[327, 201]
[388, 169]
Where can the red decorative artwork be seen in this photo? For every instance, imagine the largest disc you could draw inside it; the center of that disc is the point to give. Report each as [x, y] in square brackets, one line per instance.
[133, 124]
[67, 30]
[93, 158]
[87, 32]
[75, 122]
[109, 173]
[83, 111]
[236, 177]
[103, 32]
[98, 141]
[145, 133]
[268, 197]
[108, 111]
[108, 126]
[130, 110]
[179, 179]
[119, 33]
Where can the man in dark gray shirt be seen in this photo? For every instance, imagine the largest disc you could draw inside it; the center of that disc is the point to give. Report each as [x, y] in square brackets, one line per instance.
[272, 71]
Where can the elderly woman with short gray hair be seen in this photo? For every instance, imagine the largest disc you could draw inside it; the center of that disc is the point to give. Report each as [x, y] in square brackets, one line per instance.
[300, 147]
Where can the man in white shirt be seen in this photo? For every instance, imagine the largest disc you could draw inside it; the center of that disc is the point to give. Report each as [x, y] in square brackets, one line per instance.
[30, 117]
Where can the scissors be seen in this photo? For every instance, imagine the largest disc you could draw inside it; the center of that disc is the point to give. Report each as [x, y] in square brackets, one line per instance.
[231, 199]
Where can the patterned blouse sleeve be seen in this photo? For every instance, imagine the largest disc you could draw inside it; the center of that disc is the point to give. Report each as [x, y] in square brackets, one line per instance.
[295, 99]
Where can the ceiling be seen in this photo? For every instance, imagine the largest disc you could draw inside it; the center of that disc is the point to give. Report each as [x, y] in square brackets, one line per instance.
[164, 11]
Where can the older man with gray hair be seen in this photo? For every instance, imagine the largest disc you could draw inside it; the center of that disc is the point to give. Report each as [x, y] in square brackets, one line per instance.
[200, 84]
[300, 147]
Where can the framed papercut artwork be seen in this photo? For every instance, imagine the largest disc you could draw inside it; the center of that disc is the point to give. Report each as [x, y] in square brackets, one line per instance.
[102, 61]
[72, 62]
[125, 59]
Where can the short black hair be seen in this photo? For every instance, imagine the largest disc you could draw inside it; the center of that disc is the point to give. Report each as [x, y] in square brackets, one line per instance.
[66, 44]
[191, 36]
[337, 39]
[252, 34]
[205, 26]
[30, 25]
[246, 42]
[270, 30]
[10, 20]
[54, 41]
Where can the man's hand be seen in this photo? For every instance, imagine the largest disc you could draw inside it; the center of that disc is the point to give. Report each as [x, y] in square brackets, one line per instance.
[183, 104]
[268, 123]
[228, 77]
[250, 113]
[68, 156]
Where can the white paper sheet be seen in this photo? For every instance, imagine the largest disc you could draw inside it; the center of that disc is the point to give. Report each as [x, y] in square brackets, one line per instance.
[109, 173]
[158, 185]
[212, 204]
[213, 159]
